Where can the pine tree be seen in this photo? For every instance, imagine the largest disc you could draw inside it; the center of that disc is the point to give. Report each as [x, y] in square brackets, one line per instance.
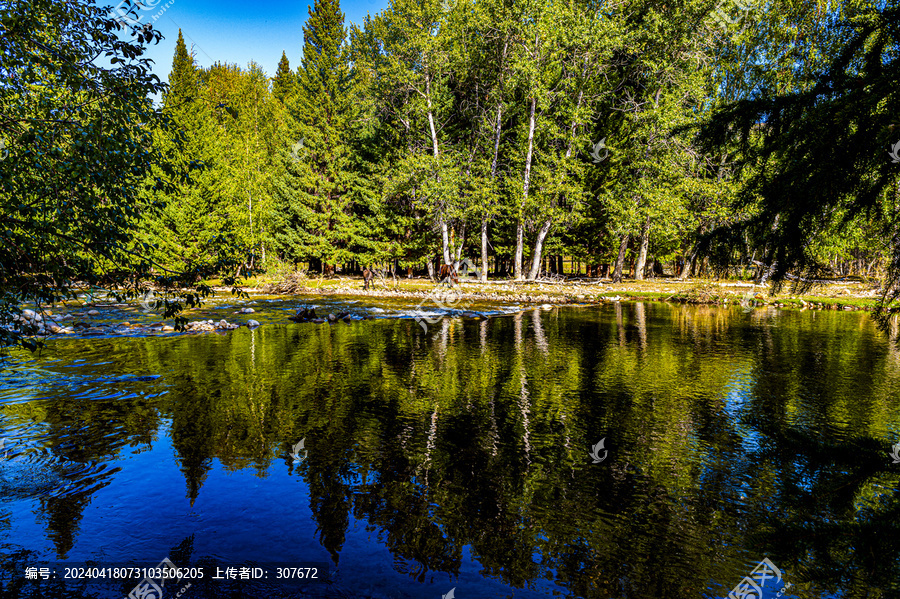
[191, 222]
[316, 194]
[183, 77]
[284, 84]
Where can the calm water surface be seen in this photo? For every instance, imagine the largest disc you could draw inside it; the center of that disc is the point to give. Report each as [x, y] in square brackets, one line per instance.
[460, 458]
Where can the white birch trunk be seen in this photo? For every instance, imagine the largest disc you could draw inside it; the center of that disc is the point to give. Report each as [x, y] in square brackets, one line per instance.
[642, 254]
[520, 228]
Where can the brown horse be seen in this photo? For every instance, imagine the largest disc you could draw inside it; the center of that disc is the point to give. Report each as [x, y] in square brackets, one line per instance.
[448, 273]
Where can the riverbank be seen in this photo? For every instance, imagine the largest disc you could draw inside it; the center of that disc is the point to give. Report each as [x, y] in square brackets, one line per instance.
[836, 296]
[420, 297]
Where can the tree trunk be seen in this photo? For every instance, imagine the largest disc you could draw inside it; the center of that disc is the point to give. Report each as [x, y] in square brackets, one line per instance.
[538, 247]
[484, 220]
[445, 236]
[688, 270]
[484, 250]
[620, 261]
[462, 242]
[434, 147]
[642, 255]
[542, 234]
[520, 228]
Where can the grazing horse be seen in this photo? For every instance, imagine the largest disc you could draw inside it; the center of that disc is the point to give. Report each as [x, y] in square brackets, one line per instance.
[448, 273]
[368, 275]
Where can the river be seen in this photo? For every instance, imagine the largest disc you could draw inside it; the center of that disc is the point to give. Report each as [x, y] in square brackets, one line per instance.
[626, 450]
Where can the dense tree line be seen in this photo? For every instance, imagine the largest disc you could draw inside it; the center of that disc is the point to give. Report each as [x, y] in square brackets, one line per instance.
[512, 134]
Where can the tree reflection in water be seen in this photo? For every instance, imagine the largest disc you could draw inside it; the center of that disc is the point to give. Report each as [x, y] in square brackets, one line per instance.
[731, 437]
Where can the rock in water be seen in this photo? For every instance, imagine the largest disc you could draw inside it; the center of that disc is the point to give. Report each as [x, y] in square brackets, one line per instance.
[252, 324]
[247, 310]
[332, 318]
[93, 312]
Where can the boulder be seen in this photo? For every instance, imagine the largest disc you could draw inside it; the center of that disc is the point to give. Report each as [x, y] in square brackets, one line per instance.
[93, 312]
[304, 315]
[252, 324]
[247, 310]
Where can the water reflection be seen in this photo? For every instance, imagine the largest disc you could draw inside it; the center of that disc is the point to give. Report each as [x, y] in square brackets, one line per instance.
[732, 436]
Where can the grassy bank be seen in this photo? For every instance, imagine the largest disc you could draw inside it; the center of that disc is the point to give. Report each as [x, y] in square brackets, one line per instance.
[845, 295]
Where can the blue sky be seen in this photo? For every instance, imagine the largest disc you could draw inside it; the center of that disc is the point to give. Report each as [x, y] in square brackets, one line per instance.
[237, 31]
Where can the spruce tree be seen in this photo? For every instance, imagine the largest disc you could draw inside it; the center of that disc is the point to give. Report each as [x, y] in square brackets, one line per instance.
[284, 84]
[316, 193]
[183, 77]
[184, 230]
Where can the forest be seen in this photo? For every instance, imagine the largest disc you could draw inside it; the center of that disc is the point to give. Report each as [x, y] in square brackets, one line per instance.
[509, 133]
[636, 138]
